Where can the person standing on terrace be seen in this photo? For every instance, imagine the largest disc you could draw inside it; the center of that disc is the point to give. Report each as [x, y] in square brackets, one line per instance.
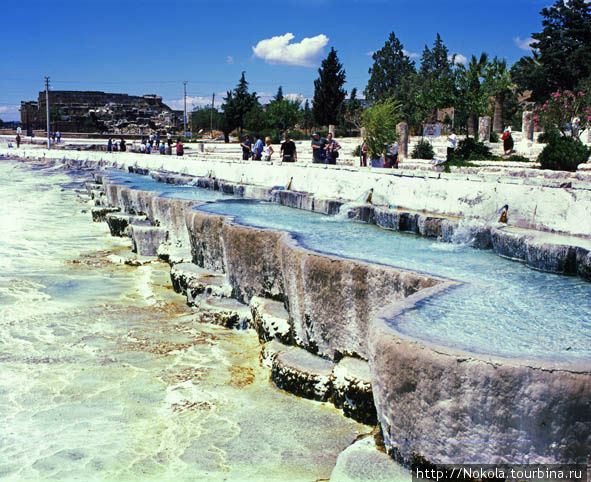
[179, 148]
[267, 150]
[507, 140]
[246, 148]
[257, 149]
[288, 151]
[451, 144]
[332, 149]
[318, 149]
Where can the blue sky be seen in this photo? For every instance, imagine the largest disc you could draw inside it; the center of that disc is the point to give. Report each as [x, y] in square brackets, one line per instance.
[146, 46]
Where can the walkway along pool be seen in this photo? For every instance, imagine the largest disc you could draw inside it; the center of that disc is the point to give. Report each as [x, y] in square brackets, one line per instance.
[472, 357]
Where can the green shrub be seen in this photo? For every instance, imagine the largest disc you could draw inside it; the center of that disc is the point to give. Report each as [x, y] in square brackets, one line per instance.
[563, 154]
[357, 151]
[470, 149]
[517, 158]
[380, 122]
[550, 133]
[423, 150]
[457, 163]
[494, 137]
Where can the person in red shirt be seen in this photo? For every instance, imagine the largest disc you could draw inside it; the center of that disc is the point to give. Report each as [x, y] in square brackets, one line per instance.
[179, 148]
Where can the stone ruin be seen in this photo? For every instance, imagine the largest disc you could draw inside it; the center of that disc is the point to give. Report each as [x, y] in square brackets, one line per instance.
[95, 111]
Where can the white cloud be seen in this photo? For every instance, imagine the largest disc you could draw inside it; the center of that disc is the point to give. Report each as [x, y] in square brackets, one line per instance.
[524, 44]
[10, 112]
[460, 59]
[195, 101]
[229, 59]
[412, 55]
[370, 53]
[279, 50]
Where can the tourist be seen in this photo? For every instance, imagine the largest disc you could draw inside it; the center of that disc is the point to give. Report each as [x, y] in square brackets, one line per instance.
[162, 147]
[288, 151]
[318, 148]
[143, 147]
[169, 140]
[257, 148]
[59, 136]
[179, 148]
[332, 149]
[267, 150]
[157, 139]
[115, 146]
[391, 156]
[451, 144]
[148, 149]
[53, 137]
[151, 140]
[123, 146]
[575, 124]
[363, 155]
[507, 140]
[246, 148]
[18, 140]
[110, 145]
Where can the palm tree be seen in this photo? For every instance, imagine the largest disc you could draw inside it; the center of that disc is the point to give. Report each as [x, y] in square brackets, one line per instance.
[498, 79]
[473, 96]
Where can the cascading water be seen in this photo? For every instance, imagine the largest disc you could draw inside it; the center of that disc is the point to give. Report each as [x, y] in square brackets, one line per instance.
[105, 375]
[364, 199]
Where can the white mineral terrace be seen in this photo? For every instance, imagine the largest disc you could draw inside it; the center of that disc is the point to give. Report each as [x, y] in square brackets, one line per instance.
[552, 201]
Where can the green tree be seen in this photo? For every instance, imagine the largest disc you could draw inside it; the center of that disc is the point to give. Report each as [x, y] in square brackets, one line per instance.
[562, 51]
[390, 67]
[353, 111]
[435, 80]
[499, 84]
[279, 95]
[256, 119]
[380, 122]
[306, 117]
[283, 113]
[203, 118]
[237, 104]
[473, 98]
[392, 75]
[328, 90]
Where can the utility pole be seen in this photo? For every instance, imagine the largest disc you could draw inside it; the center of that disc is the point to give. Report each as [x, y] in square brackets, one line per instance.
[211, 116]
[185, 117]
[47, 110]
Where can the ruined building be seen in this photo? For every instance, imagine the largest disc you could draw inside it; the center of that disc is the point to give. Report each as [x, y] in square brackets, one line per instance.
[94, 111]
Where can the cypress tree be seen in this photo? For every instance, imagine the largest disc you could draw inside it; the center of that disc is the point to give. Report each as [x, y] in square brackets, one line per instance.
[328, 90]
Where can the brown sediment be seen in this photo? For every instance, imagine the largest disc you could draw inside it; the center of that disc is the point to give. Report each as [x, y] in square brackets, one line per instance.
[241, 376]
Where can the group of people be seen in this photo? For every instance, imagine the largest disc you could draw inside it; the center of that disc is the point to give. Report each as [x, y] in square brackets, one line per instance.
[389, 158]
[113, 145]
[257, 150]
[324, 151]
[55, 136]
[148, 144]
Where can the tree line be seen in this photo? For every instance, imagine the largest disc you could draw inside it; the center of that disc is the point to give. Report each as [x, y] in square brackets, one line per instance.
[560, 60]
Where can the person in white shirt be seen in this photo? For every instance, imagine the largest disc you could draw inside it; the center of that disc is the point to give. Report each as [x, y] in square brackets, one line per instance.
[451, 144]
[391, 156]
[267, 150]
[574, 125]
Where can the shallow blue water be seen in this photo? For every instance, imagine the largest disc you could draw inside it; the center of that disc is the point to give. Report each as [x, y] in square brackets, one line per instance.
[175, 191]
[503, 307]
